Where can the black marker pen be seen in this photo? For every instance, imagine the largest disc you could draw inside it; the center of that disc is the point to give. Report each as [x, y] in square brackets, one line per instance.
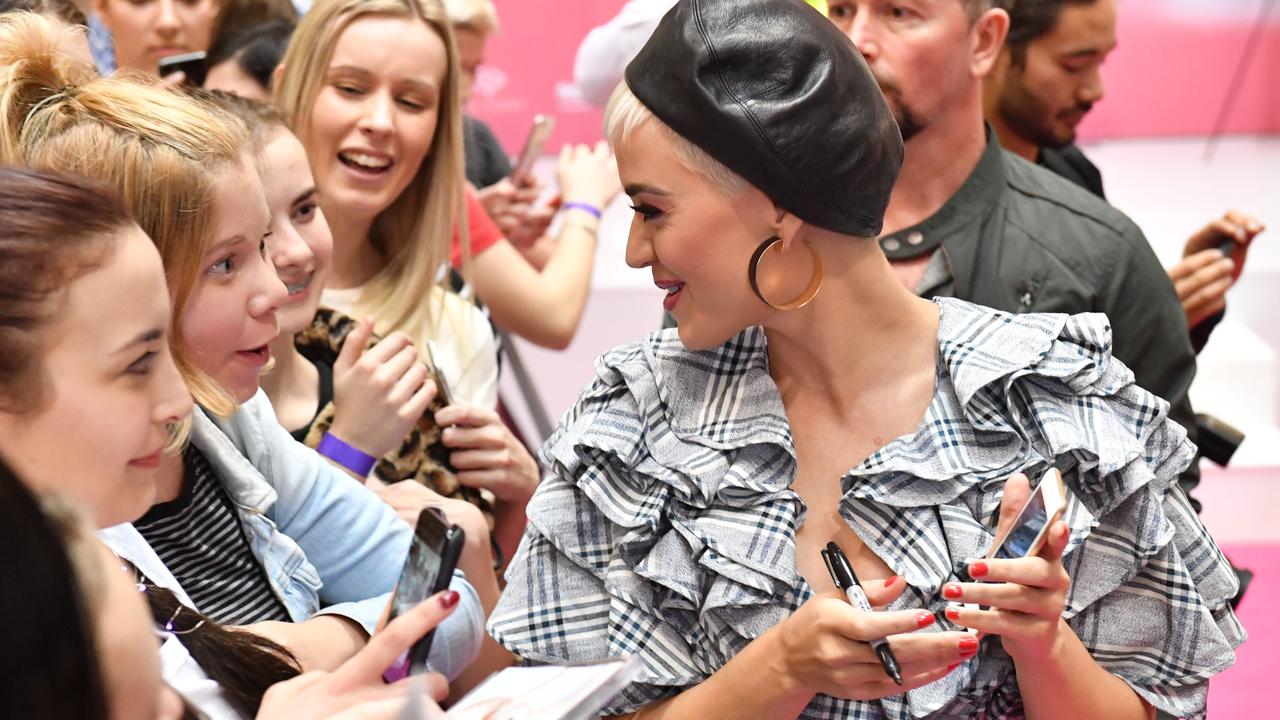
[845, 579]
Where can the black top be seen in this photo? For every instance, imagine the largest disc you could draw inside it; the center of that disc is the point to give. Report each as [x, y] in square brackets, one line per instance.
[326, 396]
[487, 162]
[199, 538]
[1070, 162]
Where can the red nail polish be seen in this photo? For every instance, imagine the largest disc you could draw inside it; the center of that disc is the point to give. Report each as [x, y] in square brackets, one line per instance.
[952, 667]
[951, 591]
[448, 599]
[924, 619]
[968, 645]
[953, 614]
[889, 581]
[978, 569]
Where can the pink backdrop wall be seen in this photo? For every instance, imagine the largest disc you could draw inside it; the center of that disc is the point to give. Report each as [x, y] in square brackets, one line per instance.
[1168, 76]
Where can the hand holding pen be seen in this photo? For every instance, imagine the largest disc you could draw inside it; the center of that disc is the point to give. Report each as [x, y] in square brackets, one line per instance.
[847, 582]
[826, 645]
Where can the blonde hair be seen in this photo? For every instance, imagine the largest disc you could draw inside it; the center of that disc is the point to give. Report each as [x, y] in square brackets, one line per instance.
[478, 15]
[159, 149]
[413, 234]
[624, 114]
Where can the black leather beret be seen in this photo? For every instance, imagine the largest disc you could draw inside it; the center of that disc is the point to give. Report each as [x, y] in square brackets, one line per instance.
[777, 93]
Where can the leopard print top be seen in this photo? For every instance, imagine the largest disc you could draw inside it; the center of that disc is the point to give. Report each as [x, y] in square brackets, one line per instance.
[422, 456]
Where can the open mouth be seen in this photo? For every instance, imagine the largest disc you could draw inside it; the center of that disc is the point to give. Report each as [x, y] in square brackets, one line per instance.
[300, 286]
[257, 356]
[365, 162]
[672, 297]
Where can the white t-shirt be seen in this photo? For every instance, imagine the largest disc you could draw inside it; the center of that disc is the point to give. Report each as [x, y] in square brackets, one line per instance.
[462, 347]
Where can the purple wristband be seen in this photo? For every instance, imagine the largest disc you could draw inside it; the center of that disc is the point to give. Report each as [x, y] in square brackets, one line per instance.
[351, 458]
[584, 207]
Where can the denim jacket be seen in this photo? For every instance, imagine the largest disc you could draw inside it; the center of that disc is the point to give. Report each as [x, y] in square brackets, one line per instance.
[326, 543]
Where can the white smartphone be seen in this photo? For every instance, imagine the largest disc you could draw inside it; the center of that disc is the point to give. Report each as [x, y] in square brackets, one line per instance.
[1027, 535]
[1029, 530]
[538, 136]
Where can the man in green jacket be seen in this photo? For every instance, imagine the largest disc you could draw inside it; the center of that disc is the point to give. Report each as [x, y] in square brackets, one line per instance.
[1047, 79]
[969, 220]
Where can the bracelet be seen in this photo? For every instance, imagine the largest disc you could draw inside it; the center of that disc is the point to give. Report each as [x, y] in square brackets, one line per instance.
[349, 457]
[584, 207]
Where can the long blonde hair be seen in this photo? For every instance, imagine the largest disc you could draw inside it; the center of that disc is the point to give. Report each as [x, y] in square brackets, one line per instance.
[159, 149]
[413, 234]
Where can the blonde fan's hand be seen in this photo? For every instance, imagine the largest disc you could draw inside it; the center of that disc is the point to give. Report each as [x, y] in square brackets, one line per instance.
[379, 393]
[486, 454]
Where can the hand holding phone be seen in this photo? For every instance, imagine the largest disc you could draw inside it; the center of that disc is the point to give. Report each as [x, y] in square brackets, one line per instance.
[1026, 535]
[193, 66]
[433, 555]
[539, 133]
[1020, 585]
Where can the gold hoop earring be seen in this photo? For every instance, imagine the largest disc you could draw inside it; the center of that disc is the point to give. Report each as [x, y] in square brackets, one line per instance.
[803, 299]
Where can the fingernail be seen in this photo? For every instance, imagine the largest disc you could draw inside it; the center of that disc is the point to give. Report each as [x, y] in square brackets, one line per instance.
[953, 614]
[924, 619]
[968, 645]
[890, 580]
[951, 591]
[448, 599]
[952, 667]
[977, 568]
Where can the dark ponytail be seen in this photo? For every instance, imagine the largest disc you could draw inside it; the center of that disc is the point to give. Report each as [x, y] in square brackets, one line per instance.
[245, 665]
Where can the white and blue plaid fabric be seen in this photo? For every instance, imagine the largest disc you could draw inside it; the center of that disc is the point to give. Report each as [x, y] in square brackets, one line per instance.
[666, 527]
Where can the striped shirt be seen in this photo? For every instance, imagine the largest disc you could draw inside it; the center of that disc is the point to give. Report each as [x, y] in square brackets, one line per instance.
[667, 526]
[200, 540]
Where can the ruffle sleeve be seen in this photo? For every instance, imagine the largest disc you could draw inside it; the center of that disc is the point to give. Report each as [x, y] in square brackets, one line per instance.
[660, 531]
[1150, 589]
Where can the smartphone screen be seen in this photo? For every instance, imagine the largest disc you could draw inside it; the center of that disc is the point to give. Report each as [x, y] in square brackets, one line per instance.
[1030, 523]
[428, 568]
[419, 579]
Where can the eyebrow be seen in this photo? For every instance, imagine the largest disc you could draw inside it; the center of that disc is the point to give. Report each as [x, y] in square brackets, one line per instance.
[637, 188]
[352, 69]
[146, 336]
[223, 244]
[304, 195]
[1090, 51]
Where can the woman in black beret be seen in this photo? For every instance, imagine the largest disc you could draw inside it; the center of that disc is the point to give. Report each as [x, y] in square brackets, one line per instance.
[808, 397]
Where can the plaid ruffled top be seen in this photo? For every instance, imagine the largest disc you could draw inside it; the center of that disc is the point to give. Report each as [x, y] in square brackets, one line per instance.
[667, 525]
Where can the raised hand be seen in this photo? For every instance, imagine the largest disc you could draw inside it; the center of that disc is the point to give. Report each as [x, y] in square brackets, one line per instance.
[1205, 272]
[378, 393]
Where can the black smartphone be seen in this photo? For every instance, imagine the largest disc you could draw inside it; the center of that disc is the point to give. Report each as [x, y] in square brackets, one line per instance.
[192, 65]
[433, 555]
